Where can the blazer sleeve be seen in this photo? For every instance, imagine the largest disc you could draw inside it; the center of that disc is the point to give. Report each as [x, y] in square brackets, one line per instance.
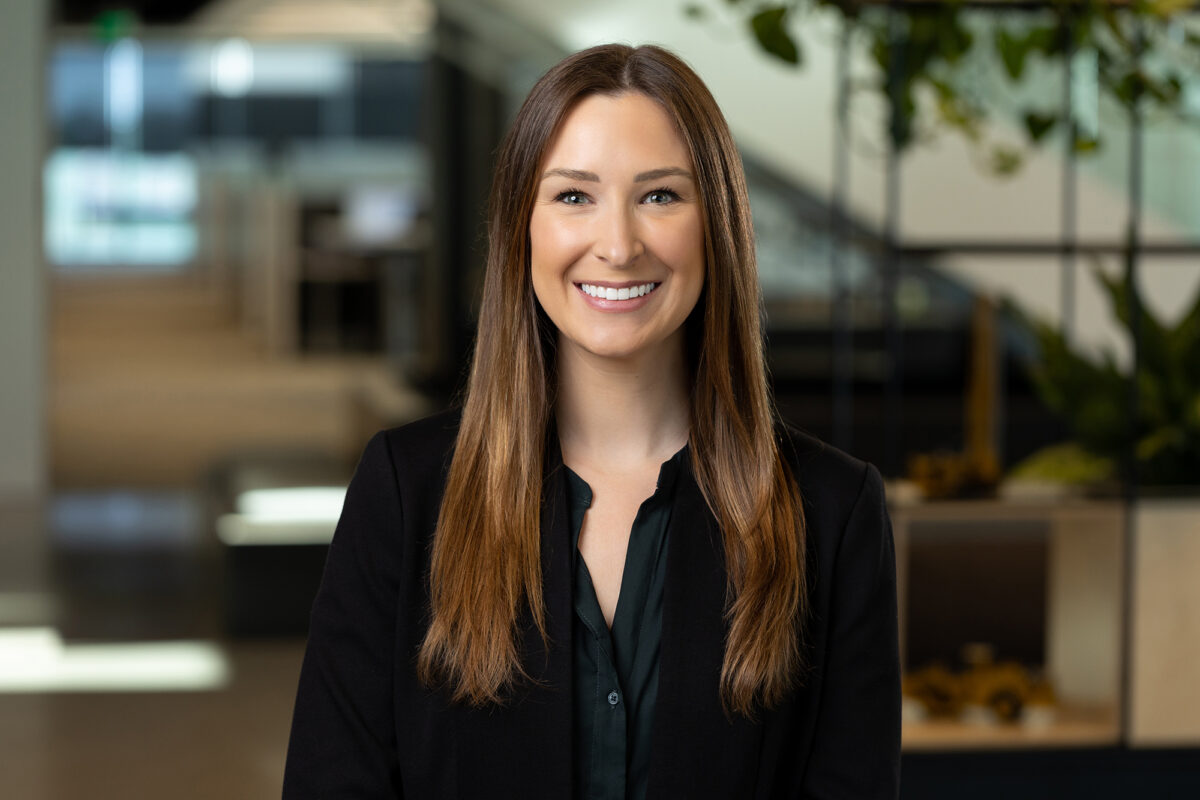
[343, 734]
[856, 750]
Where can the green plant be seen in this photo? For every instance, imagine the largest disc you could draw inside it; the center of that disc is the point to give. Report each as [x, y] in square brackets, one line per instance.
[1092, 394]
[920, 50]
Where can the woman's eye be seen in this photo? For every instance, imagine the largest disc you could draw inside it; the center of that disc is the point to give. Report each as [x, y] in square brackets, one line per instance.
[572, 198]
[661, 196]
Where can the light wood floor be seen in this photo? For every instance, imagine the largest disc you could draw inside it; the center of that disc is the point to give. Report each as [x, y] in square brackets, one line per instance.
[224, 743]
[228, 744]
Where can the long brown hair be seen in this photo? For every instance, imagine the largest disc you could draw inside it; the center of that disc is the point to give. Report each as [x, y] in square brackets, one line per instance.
[486, 567]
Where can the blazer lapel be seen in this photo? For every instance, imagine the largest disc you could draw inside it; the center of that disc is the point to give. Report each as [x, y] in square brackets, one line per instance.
[697, 751]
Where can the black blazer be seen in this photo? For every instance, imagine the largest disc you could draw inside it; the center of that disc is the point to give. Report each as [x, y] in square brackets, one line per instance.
[364, 726]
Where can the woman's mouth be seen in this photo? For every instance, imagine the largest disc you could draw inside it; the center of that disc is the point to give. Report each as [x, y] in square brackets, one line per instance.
[614, 293]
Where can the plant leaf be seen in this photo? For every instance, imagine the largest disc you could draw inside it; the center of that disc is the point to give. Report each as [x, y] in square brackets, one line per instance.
[1152, 335]
[770, 29]
[1046, 39]
[1012, 52]
[1038, 124]
[1005, 160]
[954, 39]
[1065, 463]
[1090, 396]
[1184, 342]
[1163, 387]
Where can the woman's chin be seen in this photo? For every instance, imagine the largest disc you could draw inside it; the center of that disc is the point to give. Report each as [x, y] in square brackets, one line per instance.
[621, 349]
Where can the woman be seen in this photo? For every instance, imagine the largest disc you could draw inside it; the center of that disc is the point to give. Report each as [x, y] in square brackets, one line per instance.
[614, 574]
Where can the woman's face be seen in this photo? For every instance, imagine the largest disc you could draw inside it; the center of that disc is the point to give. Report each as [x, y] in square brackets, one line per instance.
[617, 240]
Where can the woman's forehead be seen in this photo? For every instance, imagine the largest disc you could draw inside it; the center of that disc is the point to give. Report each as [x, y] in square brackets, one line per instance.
[607, 130]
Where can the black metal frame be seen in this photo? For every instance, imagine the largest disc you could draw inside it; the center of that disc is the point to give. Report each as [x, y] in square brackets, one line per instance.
[1068, 247]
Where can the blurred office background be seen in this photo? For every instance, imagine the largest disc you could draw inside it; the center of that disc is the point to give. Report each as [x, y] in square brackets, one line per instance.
[240, 236]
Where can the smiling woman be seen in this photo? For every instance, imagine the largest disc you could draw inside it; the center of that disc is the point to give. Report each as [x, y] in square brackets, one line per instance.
[617, 210]
[615, 573]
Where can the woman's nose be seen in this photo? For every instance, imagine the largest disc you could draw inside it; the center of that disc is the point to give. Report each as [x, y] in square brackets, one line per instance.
[618, 241]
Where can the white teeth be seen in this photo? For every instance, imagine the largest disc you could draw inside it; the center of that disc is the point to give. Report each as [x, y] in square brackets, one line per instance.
[610, 293]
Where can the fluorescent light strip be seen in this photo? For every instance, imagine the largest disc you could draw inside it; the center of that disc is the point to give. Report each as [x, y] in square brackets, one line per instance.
[36, 660]
[294, 515]
[293, 504]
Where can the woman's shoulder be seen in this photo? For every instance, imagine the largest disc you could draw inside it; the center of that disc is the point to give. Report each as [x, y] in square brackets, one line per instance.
[437, 431]
[422, 448]
[814, 460]
[832, 482]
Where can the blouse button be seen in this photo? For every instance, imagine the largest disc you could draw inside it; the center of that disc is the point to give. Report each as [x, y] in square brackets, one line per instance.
[613, 698]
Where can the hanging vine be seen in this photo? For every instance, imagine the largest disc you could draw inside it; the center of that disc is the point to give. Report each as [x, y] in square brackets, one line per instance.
[1138, 52]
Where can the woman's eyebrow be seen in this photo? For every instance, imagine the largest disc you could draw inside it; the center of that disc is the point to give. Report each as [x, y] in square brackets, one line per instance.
[641, 177]
[661, 172]
[572, 174]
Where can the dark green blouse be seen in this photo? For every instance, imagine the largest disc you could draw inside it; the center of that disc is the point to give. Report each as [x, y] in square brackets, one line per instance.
[616, 671]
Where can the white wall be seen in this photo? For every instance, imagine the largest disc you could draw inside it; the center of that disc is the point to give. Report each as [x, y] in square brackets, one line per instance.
[23, 471]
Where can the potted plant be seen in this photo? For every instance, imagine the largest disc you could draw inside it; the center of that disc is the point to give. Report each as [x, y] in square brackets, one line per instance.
[1093, 395]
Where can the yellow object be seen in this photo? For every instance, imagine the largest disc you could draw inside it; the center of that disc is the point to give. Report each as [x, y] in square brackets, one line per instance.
[1006, 689]
[977, 468]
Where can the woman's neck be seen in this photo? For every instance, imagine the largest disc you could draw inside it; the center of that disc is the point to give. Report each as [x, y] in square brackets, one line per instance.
[619, 415]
